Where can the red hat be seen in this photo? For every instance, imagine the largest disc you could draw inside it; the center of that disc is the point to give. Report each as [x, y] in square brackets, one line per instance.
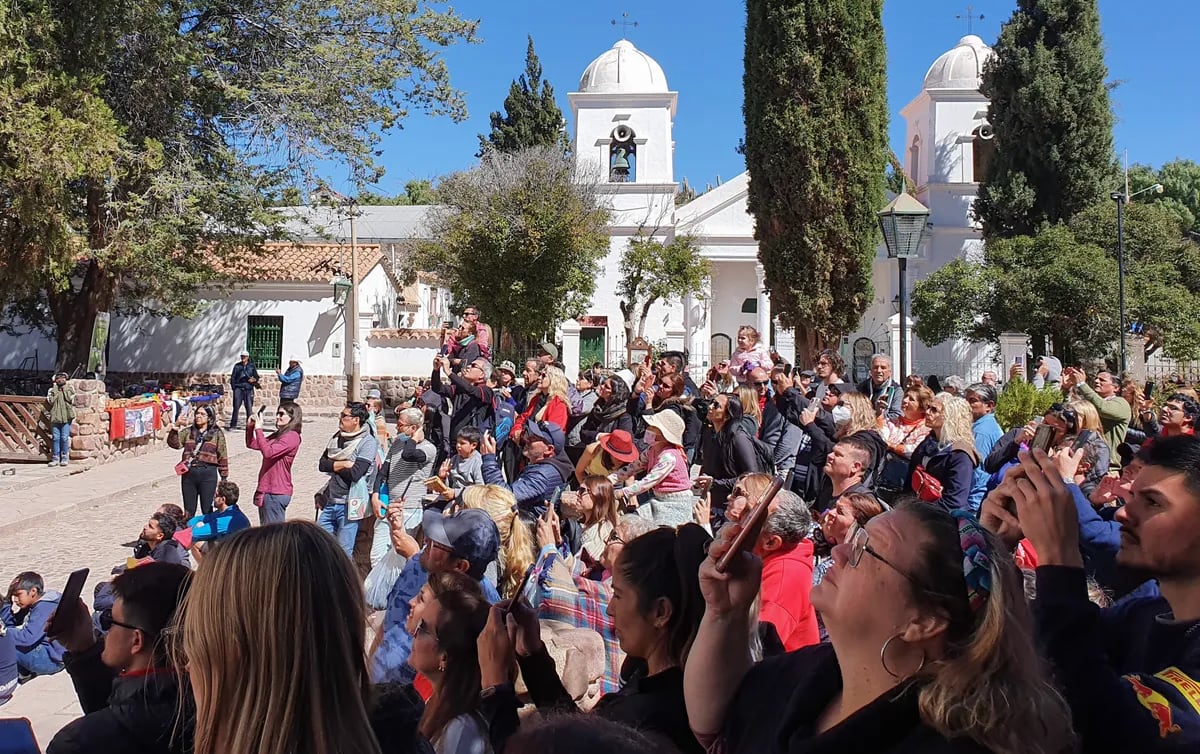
[619, 445]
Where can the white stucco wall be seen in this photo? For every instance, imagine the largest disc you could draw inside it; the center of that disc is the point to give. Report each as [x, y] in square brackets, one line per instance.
[651, 117]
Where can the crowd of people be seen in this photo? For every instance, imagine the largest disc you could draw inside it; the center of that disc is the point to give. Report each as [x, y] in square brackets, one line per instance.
[544, 558]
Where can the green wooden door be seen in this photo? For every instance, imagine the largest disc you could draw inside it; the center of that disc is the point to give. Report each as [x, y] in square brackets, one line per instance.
[591, 346]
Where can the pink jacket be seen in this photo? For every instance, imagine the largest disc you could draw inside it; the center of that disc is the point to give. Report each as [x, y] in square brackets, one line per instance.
[275, 474]
[758, 356]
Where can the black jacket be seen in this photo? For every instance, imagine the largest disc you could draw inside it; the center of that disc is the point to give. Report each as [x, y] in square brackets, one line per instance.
[597, 422]
[778, 703]
[725, 458]
[1129, 672]
[130, 714]
[240, 378]
[653, 704]
[472, 405]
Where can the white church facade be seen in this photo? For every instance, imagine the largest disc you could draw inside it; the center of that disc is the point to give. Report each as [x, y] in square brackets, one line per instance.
[623, 113]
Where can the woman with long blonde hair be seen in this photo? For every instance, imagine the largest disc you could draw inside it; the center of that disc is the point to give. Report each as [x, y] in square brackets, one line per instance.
[862, 415]
[751, 412]
[547, 402]
[947, 455]
[271, 635]
[518, 549]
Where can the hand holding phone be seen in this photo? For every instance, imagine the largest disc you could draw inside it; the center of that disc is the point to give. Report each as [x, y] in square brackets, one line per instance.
[751, 526]
[68, 604]
[1043, 438]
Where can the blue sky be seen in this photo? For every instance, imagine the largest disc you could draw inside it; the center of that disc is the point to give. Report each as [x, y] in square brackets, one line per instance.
[1150, 49]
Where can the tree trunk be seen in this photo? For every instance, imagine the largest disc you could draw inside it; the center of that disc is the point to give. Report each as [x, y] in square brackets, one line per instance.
[74, 315]
[642, 319]
[808, 344]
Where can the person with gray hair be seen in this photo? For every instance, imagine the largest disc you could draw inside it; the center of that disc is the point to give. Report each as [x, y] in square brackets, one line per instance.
[787, 571]
[954, 385]
[469, 396]
[409, 462]
[884, 392]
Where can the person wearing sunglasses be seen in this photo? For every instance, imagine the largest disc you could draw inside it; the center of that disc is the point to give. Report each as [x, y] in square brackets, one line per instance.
[279, 449]
[931, 650]
[129, 691]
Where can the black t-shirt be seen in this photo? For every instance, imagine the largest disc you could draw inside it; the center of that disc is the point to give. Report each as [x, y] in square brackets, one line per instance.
[778, 703]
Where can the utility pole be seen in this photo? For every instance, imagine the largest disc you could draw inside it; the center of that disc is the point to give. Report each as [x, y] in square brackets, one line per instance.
[352, 389]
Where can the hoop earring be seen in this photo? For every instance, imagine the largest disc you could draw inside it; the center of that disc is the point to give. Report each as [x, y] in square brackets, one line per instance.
[883, 660]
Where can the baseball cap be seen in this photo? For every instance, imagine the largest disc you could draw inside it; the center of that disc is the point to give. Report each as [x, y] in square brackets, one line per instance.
[295, 357]
[374, 393]
[243, 352]
[551, 349]
[808, 373]
[842, 388]
[470, 534]
[508, 366]
[548, 432]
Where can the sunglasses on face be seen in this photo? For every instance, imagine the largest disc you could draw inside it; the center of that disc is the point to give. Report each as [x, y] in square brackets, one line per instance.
[107, 621]
[762, 383]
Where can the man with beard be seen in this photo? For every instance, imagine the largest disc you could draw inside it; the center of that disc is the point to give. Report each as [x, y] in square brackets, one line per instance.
[1131, 673]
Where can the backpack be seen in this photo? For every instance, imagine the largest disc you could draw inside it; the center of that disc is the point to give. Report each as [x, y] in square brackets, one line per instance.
[504, 416]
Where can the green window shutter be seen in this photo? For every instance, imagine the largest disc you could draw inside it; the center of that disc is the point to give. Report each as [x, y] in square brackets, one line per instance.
[264, 341]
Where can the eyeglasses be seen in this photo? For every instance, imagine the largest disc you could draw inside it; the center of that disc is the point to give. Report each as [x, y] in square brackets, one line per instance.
[613, 538]
[107, 621]
[859, 538]
[470, 314]
[345, 416]
[444, 548]
[763, 383]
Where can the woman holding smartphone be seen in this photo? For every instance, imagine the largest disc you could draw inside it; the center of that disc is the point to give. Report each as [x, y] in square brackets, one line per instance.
[205, 459]
[279, 449]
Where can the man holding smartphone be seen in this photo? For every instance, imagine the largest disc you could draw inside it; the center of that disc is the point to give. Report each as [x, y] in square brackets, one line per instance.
[884, 392]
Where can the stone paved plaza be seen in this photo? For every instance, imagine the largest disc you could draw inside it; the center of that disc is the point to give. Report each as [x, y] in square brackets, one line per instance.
[56, 520]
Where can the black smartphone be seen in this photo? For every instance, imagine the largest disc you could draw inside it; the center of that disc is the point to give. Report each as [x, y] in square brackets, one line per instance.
[68, 603]
[1148, 391]
[1043, 438]
[524, 583]
[752, 526]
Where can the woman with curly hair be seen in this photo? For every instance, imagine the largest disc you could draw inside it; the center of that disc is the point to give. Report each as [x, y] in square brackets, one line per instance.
[948, 454]
[517, 547]
[547, 403]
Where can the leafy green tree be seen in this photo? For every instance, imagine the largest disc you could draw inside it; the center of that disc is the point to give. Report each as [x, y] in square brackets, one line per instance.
[521, 235]
[145, 143]
[531, 116]
[653, 271]
[816, 149]
[1052, 118]
[1060, 287]
[1181, 189]
[418, 191]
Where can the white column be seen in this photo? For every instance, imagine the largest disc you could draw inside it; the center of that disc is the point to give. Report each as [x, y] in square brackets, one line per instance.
[699, 333]
[764, 304]
[570, 348]
[894, 338]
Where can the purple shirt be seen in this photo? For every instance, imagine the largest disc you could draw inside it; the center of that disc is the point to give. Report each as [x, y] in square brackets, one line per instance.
[275, 475]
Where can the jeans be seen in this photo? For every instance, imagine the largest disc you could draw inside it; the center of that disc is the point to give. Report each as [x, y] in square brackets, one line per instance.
[60, 447]
[273, 509]
[332, 519]
[37, 661]
[242, 396]
[199, 484]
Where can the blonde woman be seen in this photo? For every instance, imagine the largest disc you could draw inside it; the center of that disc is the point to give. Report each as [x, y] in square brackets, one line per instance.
[1088, 419]
[548, 404]
[272, 631]
[751, 411]
[948, 454]
[862, 415]
[518, 548]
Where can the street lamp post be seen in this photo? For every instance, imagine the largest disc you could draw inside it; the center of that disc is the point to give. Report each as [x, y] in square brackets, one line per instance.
[349, 314]
[903, 222]
[1122, 198]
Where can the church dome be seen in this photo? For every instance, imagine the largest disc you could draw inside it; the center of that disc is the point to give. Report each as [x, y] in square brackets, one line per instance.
[626, 69]
[961, 67]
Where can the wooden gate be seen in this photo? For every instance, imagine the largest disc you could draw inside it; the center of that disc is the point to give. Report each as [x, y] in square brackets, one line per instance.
[24, 428]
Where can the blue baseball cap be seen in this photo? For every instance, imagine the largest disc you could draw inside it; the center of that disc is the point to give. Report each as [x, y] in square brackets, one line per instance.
[470, 534]
[548, 432]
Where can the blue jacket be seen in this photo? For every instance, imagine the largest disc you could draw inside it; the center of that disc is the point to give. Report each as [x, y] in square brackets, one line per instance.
[987, 433]
[239, 379]
[30, 633]
[290, 382]
[218, 524]
[536, 483]
[1132, 678]
[953, 466]
[390, 663]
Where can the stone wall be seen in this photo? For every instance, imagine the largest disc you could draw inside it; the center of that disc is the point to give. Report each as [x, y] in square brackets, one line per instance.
[90, 442]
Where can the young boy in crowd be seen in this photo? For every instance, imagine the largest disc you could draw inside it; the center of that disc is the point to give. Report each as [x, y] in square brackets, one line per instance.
[465, 467]
[27, 607]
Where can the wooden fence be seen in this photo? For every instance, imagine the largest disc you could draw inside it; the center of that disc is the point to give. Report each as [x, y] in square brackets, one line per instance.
[24, 429]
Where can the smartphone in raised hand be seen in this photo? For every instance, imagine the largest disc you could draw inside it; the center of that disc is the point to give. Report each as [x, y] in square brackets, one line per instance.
[752, 526]
[68, 603]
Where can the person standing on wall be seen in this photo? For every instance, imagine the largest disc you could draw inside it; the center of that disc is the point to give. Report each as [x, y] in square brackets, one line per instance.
[291, 380]
[61, 407]
[243, 380]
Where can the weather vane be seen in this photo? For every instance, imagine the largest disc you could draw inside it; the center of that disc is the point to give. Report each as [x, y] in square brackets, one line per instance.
[625, 24]
[971, 18]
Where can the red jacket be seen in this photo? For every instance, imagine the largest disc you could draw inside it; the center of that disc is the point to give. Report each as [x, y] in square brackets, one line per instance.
[556, 412]
[786, 583]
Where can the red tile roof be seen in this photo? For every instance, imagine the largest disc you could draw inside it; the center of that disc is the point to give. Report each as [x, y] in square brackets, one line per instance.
[305, 262]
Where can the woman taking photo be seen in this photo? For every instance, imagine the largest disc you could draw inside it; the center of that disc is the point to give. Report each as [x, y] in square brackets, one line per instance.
[726, 451]
[655, 607]
[444, 652]
[274, 490]
[549, 403]
[606, 455]
[942, 467]
[610, 412]
[205, 459]
[664, 469]
[594, 506]
[902, 436]
[931, 650]
[272, 631]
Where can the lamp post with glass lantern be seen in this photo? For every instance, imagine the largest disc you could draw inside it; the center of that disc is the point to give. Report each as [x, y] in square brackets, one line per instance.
[347, 291]
[1122, 198]
[903, 223]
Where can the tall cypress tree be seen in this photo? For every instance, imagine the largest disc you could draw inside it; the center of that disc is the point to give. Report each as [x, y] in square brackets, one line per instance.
[816, 148]
[1052, 118]
[531, 117]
